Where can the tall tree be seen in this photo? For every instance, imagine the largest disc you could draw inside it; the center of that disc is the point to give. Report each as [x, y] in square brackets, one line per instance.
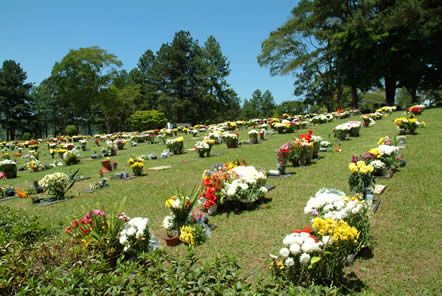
[15, 102]
[80, 78]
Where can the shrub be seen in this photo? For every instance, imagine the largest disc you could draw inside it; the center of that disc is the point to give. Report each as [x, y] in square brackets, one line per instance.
[147, 119]
[26, 136]
[71, 130]
[17, 226]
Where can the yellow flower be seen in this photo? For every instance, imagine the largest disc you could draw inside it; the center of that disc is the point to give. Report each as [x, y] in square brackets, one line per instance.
[423, 124]
[375, 152]
[179, 139]
[352, 167]
[381, 141]
[370, 168]
[170, 201]
[187, 236]
[360, 164]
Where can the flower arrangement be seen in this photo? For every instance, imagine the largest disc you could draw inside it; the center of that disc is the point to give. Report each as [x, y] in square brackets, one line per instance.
[253, 136]
[231, 140]
[282, 156]
[361, 178]
[110, 149]
[334, 204]
[247, 185]
[355, 127]
[120, 143]
[202, 148]
[34, 165]
[137, 165]
[302, 152]
[416, 110]
[176, 146]
[315, 255]
[112, 234]
[71, 157]
[57, 184]
[342, 131]
[193, 234]
[9, 168]
[83, 144]
[284, 127]
[406, 125]
[6, 191]
[386, 109]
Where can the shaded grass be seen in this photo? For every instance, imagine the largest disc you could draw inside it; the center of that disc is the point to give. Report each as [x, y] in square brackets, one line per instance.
[406, 229]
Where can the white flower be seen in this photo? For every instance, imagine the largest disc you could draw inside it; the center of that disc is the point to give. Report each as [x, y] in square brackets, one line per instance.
[263, 189]
[325, 239]
[295, 249]
[168, 222]
[289, 239]
[289, 262]
[388, 149]
[304, 259]
[284, 252]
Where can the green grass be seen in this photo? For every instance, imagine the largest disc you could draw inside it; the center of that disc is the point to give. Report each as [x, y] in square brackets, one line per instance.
[406, 229]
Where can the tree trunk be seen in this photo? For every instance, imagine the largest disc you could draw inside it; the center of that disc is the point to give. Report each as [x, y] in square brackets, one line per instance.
[339, 96]
[354, 97]
[390, 89]
[413, 94]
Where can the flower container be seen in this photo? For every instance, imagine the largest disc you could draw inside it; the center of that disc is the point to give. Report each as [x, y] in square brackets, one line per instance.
[232, 143]
[113, 152]
[354, 131]
[172, 241]
[120, 145]
[253, 139]
[341, 135]
[366, 123]
[281, 169]
[212, 209]
[202, 153]
[261, 135]
[107, 164]
[9, 169]
[316, 147]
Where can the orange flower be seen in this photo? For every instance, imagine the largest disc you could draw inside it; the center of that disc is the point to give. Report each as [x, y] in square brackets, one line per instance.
[22, 194]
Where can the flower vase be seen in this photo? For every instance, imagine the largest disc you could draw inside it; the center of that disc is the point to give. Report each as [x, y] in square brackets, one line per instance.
[316, 147]
[212, 209]
[172, 241]
[253, 139]
[201, 153]
[366, 123]
[107, 164]
[208, 151]
[281, 169]
[261, 135]
[354, 131]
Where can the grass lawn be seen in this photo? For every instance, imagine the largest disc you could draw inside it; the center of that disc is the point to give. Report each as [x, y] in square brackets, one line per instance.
[406, 229]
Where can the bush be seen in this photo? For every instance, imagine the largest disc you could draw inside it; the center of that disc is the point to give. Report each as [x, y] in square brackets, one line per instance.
[71, 130]
[17, 226]
[146, 120]
[26, 136]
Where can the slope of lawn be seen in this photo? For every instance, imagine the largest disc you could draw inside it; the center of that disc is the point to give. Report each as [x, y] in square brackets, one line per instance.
[406, 229]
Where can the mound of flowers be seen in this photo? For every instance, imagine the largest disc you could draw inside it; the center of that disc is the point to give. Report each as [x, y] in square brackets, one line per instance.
[176, 146]
[408, 126]
[233, 182]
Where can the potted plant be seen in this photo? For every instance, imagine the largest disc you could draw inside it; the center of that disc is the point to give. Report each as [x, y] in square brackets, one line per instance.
[253, 137]
[173, 238]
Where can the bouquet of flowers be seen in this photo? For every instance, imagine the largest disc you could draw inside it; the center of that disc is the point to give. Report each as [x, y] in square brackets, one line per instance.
[83, 144]
[361, 178]
[231, 140]
[302, 152]
[248, 185]
[57, 184]
[202, 148]
[120, 143]
[387, 154]
[110, 149]
[386, 109]
[282, 156]
[176, 146]
[406, 125]
[355, 127]
[416, 110]
[284, 127]
[315, 255]
[71, 157]
[334, 204]
[9, 168]
[342, 131]
[34, 165]
[137, 165]
[253, 136]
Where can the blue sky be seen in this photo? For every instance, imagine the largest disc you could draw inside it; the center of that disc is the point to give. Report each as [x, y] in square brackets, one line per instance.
[38, 33]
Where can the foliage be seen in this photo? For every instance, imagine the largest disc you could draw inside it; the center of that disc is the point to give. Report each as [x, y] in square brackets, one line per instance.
[71, 130]
[147, 120]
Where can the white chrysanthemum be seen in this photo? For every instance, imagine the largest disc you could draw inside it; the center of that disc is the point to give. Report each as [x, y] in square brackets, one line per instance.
[304, 258]
[289, 239]
[388, 149]
[284, 252]
[263, 189]
[295, 249]
[168, 222]
[289, 262]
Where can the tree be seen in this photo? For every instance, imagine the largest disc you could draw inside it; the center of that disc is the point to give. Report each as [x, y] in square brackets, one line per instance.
[260, 105]
[80, 78]
[290, 107]
[15, 102]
